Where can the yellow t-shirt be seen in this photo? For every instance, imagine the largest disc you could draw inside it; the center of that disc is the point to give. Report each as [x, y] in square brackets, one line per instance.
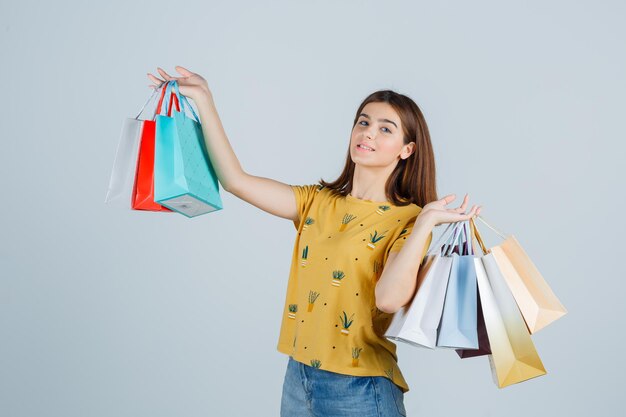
[330, 319]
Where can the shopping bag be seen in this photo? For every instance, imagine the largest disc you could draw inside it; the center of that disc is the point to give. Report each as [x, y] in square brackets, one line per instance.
[535, 299]
[483, 339]
[416, 322]
[122, 180]
[185, 180]
[458, 326]
[143, 192]
[513, 357]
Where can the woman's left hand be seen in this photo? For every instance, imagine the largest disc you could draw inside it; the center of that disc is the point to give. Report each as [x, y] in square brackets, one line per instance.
[436, 213]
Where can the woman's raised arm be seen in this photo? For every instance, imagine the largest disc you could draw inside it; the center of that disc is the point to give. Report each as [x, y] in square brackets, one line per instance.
[272, 196]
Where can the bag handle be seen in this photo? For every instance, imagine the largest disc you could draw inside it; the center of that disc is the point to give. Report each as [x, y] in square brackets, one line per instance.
[502, 235]
[467, 248]
[472, 232]
[159, 106]
[154, 92]
[458, 230]
[164, 88]
[479, 238]
[184, 101]
[173, 99]
[146, 103]
[451, 231]
[448, 233]
[437, 246]
[467, 232]
[180, 99]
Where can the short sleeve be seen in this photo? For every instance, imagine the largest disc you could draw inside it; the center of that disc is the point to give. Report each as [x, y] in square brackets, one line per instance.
[406, 231]
[304, 195]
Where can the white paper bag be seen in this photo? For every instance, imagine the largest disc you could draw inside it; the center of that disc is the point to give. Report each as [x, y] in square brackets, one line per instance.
[416, 323]
[124, 170]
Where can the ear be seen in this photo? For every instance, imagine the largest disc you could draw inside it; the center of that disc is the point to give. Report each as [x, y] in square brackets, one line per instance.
[407, 150]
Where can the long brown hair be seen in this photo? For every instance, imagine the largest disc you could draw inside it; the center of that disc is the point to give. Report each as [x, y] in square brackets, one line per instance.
[413, 179]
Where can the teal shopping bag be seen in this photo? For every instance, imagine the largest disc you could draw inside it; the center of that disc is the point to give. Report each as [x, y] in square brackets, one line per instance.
[458, 328]
[184, 179]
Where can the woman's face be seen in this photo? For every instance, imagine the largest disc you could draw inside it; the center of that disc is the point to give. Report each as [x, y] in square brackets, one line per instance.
[378, 127]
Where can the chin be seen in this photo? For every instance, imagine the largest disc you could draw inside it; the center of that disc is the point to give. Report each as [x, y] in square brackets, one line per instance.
[370, 164]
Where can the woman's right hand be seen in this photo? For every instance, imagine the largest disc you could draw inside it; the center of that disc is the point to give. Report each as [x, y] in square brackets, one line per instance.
[190, 85]
[435, 212]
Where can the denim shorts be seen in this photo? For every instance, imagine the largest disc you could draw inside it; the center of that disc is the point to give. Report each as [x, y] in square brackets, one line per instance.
[315, 392]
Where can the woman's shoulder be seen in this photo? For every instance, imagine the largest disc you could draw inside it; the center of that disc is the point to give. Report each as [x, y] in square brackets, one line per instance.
[410, 209]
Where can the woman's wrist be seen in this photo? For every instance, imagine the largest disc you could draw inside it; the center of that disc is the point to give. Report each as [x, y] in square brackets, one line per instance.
[425, 220]
[203, 95]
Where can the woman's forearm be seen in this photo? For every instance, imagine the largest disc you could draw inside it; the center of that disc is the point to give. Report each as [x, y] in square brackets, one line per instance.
[398, 281]
[221, 154]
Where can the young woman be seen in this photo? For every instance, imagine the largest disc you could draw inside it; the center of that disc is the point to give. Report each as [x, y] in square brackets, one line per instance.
[361, 239]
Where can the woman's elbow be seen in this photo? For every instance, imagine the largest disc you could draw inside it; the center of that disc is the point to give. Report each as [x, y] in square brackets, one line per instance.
[386, 307]
[383, 303]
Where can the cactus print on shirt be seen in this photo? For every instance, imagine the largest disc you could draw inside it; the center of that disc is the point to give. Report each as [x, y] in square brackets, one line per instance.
[330, 319]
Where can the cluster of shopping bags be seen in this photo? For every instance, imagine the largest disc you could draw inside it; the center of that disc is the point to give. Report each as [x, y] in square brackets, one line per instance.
[161, 163]
[479, 301]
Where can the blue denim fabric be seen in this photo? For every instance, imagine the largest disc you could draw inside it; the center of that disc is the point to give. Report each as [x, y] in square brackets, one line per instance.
[314, 392]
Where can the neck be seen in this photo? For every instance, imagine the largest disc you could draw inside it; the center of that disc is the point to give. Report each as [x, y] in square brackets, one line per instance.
[368, 183]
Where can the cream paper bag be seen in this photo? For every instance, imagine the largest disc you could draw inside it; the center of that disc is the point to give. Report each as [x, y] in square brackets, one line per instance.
[513, 357]
[536, 300]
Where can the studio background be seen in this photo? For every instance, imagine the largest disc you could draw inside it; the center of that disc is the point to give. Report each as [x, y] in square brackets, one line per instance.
[126, 313]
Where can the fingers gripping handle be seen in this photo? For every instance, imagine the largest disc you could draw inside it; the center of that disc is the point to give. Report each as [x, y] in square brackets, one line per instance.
[176, 96]
[470, 231]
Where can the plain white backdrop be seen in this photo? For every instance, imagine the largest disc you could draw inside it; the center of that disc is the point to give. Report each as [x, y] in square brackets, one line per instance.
[126, 313]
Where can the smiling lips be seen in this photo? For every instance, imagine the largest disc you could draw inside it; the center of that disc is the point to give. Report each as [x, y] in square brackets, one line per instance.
[364, 147]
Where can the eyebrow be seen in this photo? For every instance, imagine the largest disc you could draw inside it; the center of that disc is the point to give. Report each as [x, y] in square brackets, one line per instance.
[381, 120]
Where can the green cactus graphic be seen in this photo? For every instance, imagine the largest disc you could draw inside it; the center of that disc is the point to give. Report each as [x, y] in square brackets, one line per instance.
[312, 297]
[356, 352]
[347, 218]
[337, 277]
[382, 209]
[375, 238]
[346, 323]
[305, 255]
[378, 268]
[307, 222]
[316, 363]
[293, 309]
